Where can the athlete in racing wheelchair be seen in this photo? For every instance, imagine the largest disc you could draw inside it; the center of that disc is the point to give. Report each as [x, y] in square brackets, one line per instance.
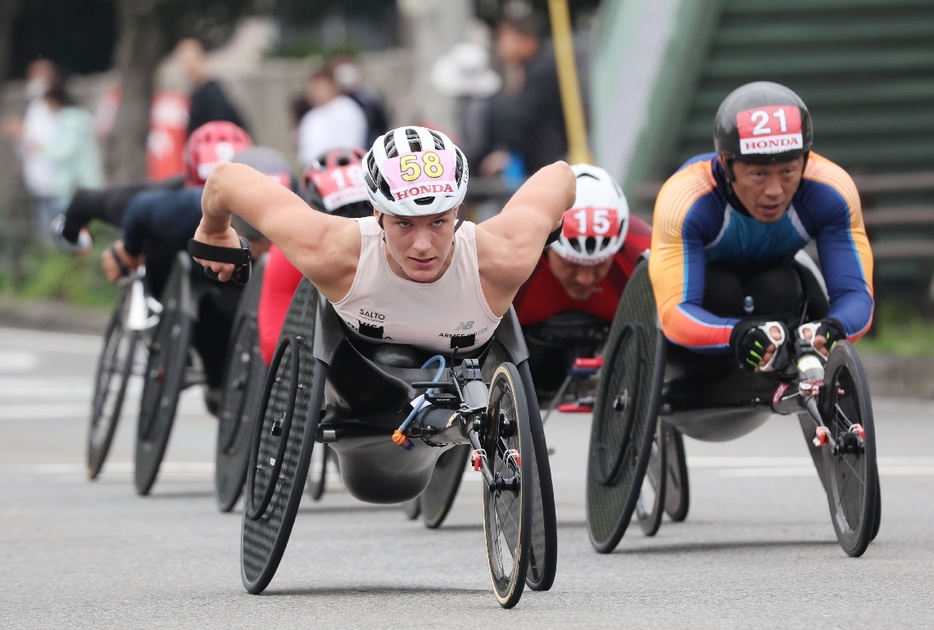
[746, 326]
[408, 283]
[333, 184]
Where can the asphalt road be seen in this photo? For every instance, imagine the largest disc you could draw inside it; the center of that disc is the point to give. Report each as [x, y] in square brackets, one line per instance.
[757, 548]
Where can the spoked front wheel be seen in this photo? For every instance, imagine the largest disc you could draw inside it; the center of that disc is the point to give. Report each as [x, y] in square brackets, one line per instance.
[318, 471]
[113, 373]
[846, 452]
[505, 445]
[651, 502]
[677, 488]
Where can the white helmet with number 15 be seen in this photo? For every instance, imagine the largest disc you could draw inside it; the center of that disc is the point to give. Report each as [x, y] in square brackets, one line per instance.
[595, 228]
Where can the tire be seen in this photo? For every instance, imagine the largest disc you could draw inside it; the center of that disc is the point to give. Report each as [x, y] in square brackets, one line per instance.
[543, 549]
[436, 500]
[165, 376]
[651, 502]
[878, 521]
[848, 468]
[318, 471]
[625, 414]
[113, 373]
[677, 488]
[266, 529]
[244, 376]
[506, 440]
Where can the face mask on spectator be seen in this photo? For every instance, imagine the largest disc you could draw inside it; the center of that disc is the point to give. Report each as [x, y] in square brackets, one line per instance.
[36, 88]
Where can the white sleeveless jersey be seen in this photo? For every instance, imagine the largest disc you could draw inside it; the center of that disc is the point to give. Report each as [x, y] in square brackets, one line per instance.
[438, 316]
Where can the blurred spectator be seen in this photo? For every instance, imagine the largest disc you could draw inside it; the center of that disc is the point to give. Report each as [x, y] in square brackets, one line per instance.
[527, 116]
[464, 74]
[208, 100]
[32, 133]
[71, 150]
[350, 80]
[334, 120]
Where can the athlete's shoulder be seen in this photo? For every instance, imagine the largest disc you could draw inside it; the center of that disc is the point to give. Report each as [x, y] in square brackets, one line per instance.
[826, 182]
[693, 186]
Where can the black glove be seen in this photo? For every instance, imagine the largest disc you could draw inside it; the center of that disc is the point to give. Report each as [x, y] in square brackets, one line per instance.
[750, 339]
[830, 329]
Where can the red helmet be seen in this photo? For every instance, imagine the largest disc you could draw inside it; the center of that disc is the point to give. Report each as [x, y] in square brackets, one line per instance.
[334, 184]
[211, 143]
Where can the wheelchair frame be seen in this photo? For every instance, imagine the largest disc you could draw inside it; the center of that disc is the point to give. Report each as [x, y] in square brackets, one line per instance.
[314, 354]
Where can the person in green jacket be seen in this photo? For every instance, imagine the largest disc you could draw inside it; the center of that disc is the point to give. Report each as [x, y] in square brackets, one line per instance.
[73, 153]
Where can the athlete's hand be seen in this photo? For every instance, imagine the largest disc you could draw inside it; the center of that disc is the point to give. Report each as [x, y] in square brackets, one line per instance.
[227, 238]
[756, 343]
[822, 334]
[116, 262]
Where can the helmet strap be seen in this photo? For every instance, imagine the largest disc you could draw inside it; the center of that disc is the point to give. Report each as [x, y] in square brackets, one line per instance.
[804, 165]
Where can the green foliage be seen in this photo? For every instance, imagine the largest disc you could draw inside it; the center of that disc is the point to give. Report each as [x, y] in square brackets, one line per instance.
[899, 329]
[56, 275]
[310, 48]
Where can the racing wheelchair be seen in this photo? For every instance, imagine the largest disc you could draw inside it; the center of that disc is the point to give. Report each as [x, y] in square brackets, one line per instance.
[173, 364]
[323, 387]
[649, 387]
[124, 354]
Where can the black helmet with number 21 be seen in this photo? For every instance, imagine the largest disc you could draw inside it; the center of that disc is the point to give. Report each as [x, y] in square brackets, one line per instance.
[762, 123]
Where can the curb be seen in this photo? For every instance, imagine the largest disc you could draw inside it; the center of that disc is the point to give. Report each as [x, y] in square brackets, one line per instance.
[53, 316]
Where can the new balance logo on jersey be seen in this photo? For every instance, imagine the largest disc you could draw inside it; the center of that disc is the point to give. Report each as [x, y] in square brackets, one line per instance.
[464, 325]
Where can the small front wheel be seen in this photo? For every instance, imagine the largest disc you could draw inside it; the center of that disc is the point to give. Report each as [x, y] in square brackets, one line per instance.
[506, 445]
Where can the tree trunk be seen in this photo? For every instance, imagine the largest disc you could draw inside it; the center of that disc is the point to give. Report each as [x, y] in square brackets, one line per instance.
[140, 46]
[9, 9]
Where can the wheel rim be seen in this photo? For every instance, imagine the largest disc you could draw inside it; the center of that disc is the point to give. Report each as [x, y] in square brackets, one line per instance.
[620, 403]
[267, 456]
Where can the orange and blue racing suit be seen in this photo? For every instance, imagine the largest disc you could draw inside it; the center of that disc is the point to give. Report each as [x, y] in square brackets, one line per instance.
[699, 223]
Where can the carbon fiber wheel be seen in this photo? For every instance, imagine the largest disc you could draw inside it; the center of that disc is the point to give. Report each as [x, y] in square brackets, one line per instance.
[849, 459]
[625, 414]
[113, 373]
[436, 501]
[165, 376]
[282, 443]
[244, 375]
[506, 443]
[651, 502]
[677, 488]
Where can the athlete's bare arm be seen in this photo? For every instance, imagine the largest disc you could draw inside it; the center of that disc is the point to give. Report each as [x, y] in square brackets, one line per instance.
[510, 244]
[323, 247]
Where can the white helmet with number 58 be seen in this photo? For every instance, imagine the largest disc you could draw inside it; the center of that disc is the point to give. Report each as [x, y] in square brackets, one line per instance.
[595, 228]
[415, 172]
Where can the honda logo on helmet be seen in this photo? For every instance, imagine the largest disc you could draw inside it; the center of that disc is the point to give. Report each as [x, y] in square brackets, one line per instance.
[771, 144]
[423, 190]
